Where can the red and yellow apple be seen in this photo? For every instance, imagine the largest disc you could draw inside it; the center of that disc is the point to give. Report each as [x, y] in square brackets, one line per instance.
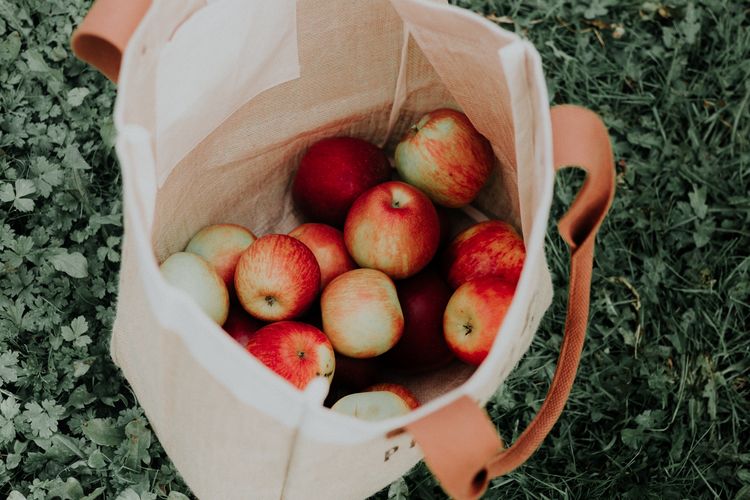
[361, 313]
[377, 405]
[333, 173]
[489, 248]
[195, 276]
[393, 228]
[296, 351]
[445, 156]
[399, 390]
[327, 244]
[474, 315]
[221, 245]
[277, 278]
[240, 325]
[422, 347]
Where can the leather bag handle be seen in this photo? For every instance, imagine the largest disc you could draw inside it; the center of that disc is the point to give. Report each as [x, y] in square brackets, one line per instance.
[101, 38]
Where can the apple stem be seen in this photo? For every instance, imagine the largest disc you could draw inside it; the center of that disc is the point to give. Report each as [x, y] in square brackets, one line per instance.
[422, 122]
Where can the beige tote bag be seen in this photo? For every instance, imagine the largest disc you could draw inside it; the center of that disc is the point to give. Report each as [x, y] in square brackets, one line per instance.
[217, 101]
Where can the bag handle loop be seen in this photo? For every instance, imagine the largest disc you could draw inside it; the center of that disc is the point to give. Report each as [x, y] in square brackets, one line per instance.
[101, 38]
[460, 444]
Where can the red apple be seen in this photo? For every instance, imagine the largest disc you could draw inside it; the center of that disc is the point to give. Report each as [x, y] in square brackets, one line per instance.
[221, 245]
[400, 391]
[333, 173]
[361, 313]
[193, 275]
[296, 351]
[378, 405]
[327, 244]
[490, 248]
[277, 278]
[355, 374]
[445, 156]
[422, 347]
[394, 228]
[473, 317]
[240, 325]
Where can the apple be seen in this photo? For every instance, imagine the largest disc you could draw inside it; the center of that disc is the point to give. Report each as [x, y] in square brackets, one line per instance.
[355, 374]
[333, 173]
[394, 228]
[277, 278]
[327, 244]
[296, 351]
[400, 391]
[377, 405]
[221, 245]
[422, 347]
[473, 317]
[361, 313]
[445, 156]
[193, 275]
[240, 325]
[489, 248]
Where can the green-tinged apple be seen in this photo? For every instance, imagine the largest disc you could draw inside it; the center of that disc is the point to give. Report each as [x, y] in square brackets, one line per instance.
[393, 228]
[333, 173]
[221, 245]
[474, 315]
[193, 275]
[422, 347]
[361, 313]
[377, 405]
[277, 278]
[445, 156]
[399, 390]
[297, 351]
[327, 244]
[489, 248]
[240, 325]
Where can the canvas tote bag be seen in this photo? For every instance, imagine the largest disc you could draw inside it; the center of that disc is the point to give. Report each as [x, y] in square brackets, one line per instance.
[217, 101]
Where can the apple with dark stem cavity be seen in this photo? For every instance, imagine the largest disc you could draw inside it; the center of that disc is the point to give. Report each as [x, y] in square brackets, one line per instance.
[296, 351]
[474, 315]
[394, 228]
[277, 278]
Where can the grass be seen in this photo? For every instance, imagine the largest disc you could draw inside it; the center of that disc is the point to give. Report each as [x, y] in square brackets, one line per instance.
[661, 407]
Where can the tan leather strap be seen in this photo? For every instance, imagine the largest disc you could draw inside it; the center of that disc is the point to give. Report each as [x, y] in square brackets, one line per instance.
[101, 38]
[460, 444]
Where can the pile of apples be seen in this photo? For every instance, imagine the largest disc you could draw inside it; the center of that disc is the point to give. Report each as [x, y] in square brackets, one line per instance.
[365, 287]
